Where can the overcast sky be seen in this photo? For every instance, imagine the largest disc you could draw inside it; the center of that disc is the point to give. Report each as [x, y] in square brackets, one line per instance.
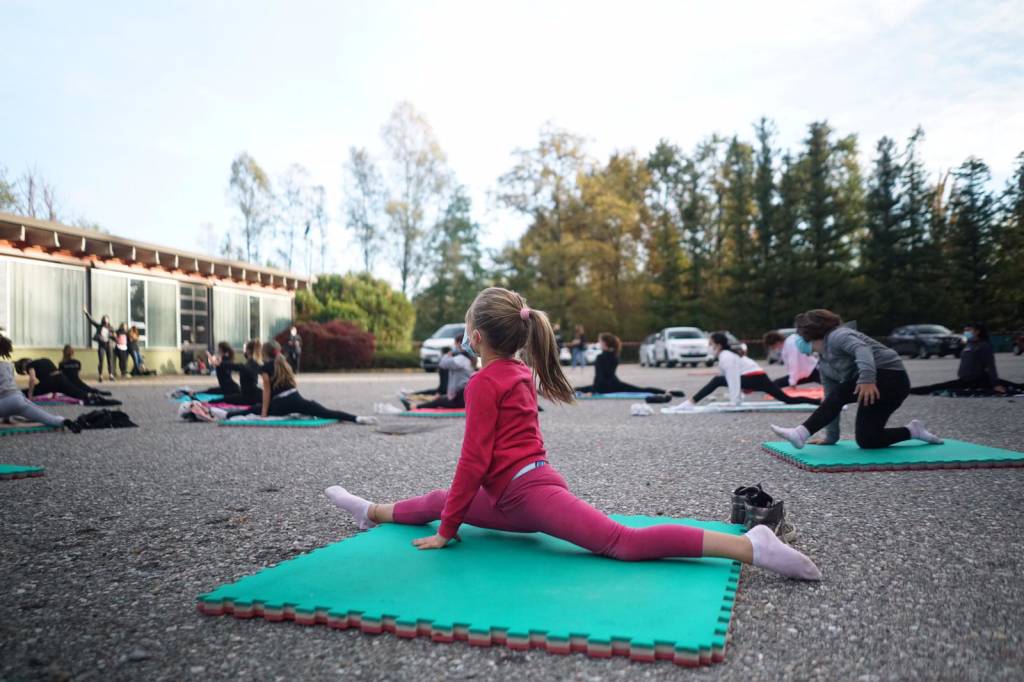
[135, 110]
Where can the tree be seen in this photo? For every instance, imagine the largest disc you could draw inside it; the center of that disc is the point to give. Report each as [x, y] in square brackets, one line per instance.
[249, 188]
[885, 249]
[364, 199]
[1007, 290]
[665, 259]
[294, 214]
[419, 178]
[321, 222]
[370, 303]
[8, 197]
[972, 240]
[457, 271]
[739, 308]
[764, 276]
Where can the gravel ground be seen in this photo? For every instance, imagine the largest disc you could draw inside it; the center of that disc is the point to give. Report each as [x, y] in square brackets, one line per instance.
[101, 559]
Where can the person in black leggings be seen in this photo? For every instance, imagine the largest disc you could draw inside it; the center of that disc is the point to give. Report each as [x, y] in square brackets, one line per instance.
[281, 395]
[248, 377]
[104, 338]
[854, 368]
[44, 377]
[977, 372]
[224, 362]
[72, 368]
[605, 379]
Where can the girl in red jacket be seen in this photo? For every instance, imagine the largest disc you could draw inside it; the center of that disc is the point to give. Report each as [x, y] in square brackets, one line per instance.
[504, 481]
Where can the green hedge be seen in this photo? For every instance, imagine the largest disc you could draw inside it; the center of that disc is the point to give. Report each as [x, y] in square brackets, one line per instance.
[395, 359]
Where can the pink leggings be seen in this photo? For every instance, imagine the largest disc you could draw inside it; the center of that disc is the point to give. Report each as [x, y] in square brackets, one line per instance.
[540, 501]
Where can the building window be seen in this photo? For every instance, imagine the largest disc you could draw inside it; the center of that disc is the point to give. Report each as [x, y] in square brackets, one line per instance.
[137, 306]
[254, 317]
[45, 304]
[195, 318]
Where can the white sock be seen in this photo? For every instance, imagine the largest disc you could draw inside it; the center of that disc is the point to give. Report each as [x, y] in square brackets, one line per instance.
[366, 420]
[918, 431]
[797, 436]
[355, 505]
[775, 555]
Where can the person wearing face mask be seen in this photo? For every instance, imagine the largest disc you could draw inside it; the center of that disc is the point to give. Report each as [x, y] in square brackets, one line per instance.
[739, 373]
[854, 368]
[801, 367]
[977, 372]
[459, 364]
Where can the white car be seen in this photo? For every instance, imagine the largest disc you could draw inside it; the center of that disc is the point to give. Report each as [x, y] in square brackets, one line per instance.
[590, 353]
[440, 342]
[681, 346]
[647, 350]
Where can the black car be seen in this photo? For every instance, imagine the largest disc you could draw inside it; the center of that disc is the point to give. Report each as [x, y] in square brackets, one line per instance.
[925, 340]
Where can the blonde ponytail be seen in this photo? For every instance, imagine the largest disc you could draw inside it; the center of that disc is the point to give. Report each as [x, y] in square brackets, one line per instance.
[283, 377]
[542, 355]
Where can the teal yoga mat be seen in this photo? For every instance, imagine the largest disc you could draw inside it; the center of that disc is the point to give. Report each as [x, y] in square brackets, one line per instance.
[8, 471]
[846, 456]
[202, 397]
[625, 395]
[31, 427]
[277, 422]
[436, 412]
[519, 589]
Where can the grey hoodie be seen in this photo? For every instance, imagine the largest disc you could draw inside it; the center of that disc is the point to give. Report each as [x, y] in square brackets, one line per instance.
[850, 355]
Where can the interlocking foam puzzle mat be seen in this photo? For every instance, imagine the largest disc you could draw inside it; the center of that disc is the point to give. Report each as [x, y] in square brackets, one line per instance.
[764, 406]
[256, 421]
[522, 590]
[201, 397]
[433, 412]
[913, 454]
[624, 395]
[9, 471]
[802, 392]
[17, 428]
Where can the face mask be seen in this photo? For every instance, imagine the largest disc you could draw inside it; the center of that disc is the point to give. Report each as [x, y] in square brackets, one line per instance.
[968, 336]
[467, 348]
[803, 345]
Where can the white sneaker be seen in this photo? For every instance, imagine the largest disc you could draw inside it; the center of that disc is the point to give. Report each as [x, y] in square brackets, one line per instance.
[685, 406]
[386, 408]
[640, 410]
[367, 421]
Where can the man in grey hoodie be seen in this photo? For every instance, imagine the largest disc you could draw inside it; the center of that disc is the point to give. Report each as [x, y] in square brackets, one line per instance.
[854, 368]
[460, 368]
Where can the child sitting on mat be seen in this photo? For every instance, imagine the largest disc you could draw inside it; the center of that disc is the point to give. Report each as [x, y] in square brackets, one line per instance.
[605, 379]
[504, 481]
[459, 367]
[739, 373]
[13, 402]
[854, 368]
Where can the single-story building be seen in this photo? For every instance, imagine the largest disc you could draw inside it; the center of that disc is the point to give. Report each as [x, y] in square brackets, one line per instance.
[181, 302]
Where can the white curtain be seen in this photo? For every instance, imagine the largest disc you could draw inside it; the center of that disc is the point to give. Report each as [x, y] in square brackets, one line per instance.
[5, 320]
[277, 315]
[230, 316]
[109, 297]
[161, 314]
[46, 305]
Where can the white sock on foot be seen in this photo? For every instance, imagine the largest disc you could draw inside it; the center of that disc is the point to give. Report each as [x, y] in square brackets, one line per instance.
[366, 420]
[918, 431]
[797, 436]
[355, 505]
[775, 555]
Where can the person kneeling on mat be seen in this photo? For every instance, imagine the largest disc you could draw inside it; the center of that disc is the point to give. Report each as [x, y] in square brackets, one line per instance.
[854, 368]
[800, 368]
[44, 377]
[72, 369]
[605, 379]
[739, 373]
[977, 372]
[504, 481]
[459, 367]
[13, 402]
[281, 394]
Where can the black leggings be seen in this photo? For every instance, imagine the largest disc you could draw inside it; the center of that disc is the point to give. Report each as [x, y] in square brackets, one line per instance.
[754, 382]
[284, 405]
[621, 387]
[459, 401]
[103, 350]
[967, 385]
[58, 383]
[252, 397]
[122, 360]
[442, 386]
[812, 378]
[871, 433]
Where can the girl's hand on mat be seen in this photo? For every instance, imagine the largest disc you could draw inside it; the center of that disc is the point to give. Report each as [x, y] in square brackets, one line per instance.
[867, 394]
[433, 542]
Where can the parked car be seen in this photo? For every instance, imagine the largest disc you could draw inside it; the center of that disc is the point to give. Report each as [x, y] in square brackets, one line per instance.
[925, 340]
[773, 355]
[681, 345]
[440, 342]
[590, 353]
[647, 350]
[735, 345]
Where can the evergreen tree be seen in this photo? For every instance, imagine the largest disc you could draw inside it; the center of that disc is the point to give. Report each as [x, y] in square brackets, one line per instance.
[1009, 265]
[884, 251]
[764, 278]
[665, 259]
[972, 241]
[738, 307]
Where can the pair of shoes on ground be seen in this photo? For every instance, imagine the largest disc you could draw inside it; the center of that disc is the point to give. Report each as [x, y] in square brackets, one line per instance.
[665, 397]
[752, 506]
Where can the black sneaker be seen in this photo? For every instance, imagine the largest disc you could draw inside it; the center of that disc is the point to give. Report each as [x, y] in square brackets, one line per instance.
[658, 398]
[740, 496]
[72, 426]
[770, 513]
[677, 394]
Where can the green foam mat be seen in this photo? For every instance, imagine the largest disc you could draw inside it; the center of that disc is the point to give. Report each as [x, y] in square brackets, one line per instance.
[846, 456]
[278, 422]
[201, 397]
[8, 471]
[624, 395]
[435, 412]
[523, 590]
[726, 408]
[31, 427]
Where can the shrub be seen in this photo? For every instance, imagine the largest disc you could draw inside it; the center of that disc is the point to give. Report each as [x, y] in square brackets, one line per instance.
[359, 298]
[396, 359]
[333, 345]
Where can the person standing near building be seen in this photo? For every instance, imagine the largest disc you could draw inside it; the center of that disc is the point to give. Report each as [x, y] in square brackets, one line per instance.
[294, 349]
[104, 338]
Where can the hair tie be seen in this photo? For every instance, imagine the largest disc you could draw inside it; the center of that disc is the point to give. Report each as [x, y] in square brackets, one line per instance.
[524, 313]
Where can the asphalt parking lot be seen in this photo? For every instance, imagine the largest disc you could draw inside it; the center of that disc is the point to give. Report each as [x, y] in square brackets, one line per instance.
[101, 560]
